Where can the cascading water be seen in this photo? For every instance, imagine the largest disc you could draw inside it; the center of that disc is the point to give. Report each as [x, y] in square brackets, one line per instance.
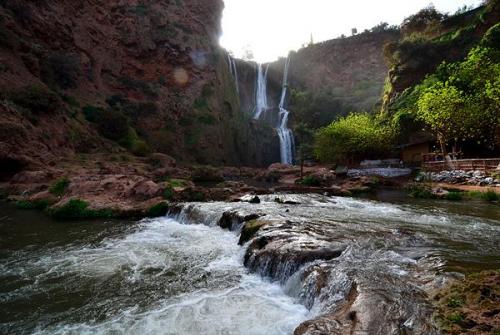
[285, 134]
[261, 91]
[234, 72]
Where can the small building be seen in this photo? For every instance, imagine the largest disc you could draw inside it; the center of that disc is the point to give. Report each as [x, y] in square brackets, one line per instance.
[418, 146]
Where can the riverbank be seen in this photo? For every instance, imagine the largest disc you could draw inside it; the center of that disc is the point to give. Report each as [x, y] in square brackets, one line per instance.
[123, 186]
[120, 186]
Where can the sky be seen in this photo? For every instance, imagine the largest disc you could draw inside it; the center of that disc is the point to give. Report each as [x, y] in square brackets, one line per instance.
[271, 28]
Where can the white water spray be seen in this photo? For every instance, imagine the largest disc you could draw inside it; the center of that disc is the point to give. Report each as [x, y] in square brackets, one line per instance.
[261, 91]
[234, 72]
[284, 133]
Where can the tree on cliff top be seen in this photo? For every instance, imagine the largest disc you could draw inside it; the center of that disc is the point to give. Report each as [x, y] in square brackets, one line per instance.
[421, 21]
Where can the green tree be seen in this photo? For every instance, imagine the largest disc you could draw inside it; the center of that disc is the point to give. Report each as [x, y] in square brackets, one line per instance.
[465, 104]
[353, 137]
[440, 108]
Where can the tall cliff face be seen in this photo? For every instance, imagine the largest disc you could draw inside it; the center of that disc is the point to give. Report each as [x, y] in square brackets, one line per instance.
[352, 70]
[337, 76]
[157, 63]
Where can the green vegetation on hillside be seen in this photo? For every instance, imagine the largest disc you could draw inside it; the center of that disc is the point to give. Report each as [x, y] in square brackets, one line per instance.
[444, 77]
[116, 122]
[461, 100]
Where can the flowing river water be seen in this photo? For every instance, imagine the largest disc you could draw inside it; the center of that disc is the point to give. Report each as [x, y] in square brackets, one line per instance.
[185, 274]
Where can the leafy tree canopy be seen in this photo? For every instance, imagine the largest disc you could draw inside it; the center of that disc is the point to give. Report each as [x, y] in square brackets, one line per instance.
[354, 137]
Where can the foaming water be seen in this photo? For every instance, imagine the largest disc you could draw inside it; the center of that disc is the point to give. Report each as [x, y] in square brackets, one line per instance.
[161, 277]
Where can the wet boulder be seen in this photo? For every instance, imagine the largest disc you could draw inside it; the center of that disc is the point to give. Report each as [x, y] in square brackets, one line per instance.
[250, 198]
[250, 229]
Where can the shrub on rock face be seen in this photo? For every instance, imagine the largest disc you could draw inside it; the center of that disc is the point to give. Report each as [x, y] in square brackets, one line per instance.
[112, 124]
[59, 187]
[92, 113]
[61, 70]
[36, 99]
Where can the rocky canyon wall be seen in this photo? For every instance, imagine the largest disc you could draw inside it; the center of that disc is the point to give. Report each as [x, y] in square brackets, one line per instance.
[155, 65]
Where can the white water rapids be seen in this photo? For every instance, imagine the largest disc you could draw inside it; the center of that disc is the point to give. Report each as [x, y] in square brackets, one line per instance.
[164, 277]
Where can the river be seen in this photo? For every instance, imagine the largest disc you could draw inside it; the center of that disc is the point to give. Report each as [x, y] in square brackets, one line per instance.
[185, 275]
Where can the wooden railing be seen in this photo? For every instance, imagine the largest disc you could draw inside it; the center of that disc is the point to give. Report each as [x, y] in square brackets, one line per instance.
[487, 164]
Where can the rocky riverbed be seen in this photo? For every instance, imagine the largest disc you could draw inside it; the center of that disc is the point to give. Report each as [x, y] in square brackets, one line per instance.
[358, 265]
[301, 263]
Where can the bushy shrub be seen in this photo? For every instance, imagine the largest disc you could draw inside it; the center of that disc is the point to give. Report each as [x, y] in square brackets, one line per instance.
[160, 209]
[169, 193]
[310, 181]
[492, 37]
[207, 119]
[70, 100]
[140, 10]
[59, 187]
[39, 204]
[490, 195]
[421, 21]
[92, 113]
[36, 99]
[177, 182]
[134, 144]
[140, 148]
[112, 124]
[354, 137]
[78, 209]
[453, 196]
[61, 70]
[420, 191]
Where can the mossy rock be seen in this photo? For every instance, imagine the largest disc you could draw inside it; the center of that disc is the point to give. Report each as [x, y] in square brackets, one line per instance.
[158, 210]
[76, 209]
[250, 229]
[470, 306]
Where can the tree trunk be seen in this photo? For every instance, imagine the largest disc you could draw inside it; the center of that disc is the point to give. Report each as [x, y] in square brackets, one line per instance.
[446, 157]
[301, 167]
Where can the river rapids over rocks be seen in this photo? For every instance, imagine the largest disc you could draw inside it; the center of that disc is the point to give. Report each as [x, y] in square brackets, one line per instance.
[301, 264]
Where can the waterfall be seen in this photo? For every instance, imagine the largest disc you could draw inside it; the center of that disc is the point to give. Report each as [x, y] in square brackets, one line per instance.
[261, 91]
[284, 133]
[234, 72]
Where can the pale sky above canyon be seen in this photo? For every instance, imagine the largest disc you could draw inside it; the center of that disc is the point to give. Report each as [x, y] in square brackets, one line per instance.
[270, 28]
